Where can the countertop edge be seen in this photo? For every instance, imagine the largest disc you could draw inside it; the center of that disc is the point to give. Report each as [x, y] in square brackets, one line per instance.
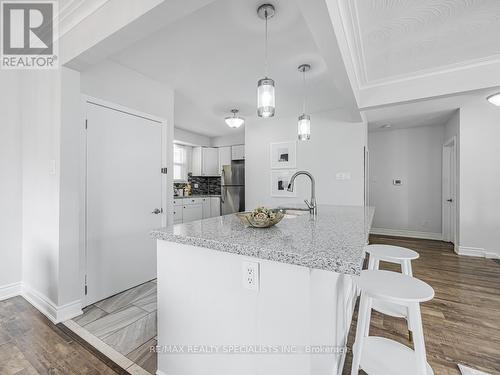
[312, 262]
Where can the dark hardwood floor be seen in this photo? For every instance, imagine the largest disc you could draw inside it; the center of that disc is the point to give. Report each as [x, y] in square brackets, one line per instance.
[462, 322]
[30, 345]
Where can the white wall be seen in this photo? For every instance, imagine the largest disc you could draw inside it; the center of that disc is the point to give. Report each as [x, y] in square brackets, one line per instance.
[415, 156]
[118, 84]
[190, 138]
[480, 177]
[229, 140]
[52, 175]
[115, 83]
[46, 258]
[41, 127]
[11, 182]
[335, 146]
[72, 203]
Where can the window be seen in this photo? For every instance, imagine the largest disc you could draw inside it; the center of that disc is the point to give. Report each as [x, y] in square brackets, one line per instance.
[180, 163]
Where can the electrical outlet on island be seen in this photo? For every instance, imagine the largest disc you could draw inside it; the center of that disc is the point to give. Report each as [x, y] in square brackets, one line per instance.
[250, 275]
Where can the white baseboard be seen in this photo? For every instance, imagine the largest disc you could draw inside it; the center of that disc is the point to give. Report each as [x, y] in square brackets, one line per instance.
[158, 372]
[476, 252]
[10, 290]
[468, 371]
[407, 233]
[47, 307]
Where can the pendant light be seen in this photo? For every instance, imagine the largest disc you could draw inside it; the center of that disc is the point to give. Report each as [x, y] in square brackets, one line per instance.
[494, 99]
[234, 121]
[304, 124]
[265, 87]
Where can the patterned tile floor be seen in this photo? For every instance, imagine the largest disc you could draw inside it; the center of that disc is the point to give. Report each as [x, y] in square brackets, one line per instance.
[127, 323]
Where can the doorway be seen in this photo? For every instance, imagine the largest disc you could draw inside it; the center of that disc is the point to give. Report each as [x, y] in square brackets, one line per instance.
[124, 197]
[449, 199]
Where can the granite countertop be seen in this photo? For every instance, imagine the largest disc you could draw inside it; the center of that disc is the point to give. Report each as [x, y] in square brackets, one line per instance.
[333, 241]
[198, 196]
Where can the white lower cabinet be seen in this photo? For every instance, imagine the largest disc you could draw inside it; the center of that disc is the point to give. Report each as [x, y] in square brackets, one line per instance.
[177, 214]
[214, 206]
[192, 212]
[193, 209]
[206, 208]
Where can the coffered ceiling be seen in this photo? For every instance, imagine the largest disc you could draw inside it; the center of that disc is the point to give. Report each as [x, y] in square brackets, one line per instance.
[391, 39]
[214, 56]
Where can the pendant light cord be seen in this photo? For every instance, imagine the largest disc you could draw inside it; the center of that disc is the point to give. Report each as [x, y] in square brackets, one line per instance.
[265, 66]
[304, 96]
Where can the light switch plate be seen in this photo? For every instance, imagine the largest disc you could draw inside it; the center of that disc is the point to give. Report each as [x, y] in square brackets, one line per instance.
[341, 176]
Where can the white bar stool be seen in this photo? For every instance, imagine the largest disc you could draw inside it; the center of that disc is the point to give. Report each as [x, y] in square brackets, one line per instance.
[392, 254]
[381, 356]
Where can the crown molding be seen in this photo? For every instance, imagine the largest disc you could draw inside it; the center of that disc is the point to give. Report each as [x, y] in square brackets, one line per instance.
[426, 73]
[75, 11]
[350, 37]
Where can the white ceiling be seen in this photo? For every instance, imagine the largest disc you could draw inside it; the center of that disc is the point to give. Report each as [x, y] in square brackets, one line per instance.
[214, 57]
[397, 38]
[432, 112]
[404, 121]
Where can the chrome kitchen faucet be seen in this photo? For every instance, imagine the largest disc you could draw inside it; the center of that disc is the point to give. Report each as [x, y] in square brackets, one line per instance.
[313, 208]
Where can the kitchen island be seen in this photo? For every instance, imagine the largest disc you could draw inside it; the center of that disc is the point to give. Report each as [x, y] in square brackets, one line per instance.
[290, 315]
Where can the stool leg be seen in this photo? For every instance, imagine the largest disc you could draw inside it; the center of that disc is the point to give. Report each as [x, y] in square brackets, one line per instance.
[406, 268]
[363, 312]
[418, 337]
[368, 317]
[371, 262]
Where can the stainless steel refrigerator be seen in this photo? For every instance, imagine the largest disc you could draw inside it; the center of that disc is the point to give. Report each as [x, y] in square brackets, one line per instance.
[233, 187]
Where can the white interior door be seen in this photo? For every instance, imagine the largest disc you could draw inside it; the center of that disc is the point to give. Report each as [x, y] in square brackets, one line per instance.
[124, 183]
[449, 192]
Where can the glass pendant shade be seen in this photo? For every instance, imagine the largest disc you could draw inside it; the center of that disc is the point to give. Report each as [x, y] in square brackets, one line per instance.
[494, 99]
[304, 127]
[234, 121]
[266, 104]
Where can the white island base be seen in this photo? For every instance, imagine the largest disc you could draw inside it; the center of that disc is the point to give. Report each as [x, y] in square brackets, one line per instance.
[204, 307]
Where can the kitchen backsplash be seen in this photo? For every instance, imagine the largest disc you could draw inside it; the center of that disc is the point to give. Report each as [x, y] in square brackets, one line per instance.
[206, 185]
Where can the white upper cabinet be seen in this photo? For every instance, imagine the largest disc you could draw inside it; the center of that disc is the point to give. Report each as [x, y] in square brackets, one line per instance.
[196, 161]
[205, 161]
[210, 161]
[225, 157]
[238, 152]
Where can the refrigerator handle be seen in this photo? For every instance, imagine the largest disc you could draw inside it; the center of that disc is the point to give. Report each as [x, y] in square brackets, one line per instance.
[222, 198]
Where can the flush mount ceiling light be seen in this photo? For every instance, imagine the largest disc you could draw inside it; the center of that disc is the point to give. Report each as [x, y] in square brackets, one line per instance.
[265, 87]
[234, 121]
[385, 126]
[304, 124]
[494, 99]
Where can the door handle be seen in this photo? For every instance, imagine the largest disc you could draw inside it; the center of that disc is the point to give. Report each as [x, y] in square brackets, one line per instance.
[449, 200]
[157, 211]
